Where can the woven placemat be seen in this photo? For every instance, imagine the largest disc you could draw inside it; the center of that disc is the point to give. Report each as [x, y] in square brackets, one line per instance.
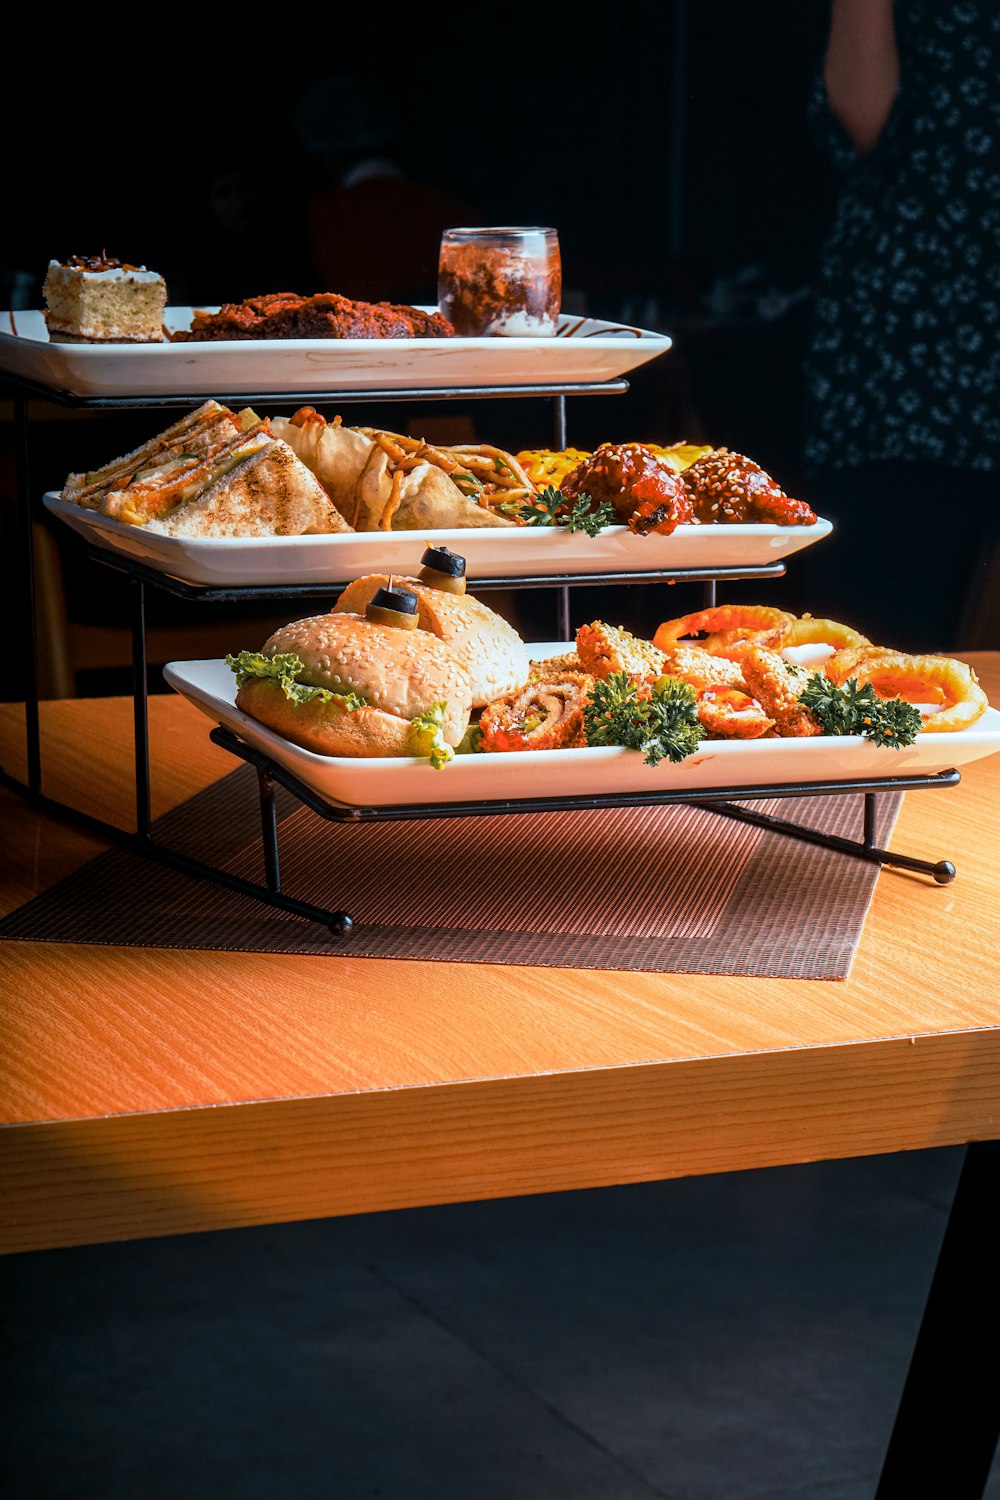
[671, 889]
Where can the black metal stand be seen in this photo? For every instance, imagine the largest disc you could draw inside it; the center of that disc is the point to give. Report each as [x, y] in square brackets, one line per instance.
[722, 800]
[948, 1422]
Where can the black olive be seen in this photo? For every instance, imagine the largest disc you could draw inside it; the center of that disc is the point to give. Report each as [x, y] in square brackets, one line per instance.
[443, 569]
[393, 607]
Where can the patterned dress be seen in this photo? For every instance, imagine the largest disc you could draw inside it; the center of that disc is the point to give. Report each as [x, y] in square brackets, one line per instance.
[904, 362]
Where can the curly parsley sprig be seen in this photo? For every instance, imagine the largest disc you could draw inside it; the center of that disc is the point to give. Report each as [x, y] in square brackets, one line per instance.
[850, 709]
[549, 508]
[662, 723]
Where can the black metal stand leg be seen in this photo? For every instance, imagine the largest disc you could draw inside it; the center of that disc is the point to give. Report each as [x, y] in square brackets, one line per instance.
[946, 1429]
[559, 412]
[269, 831]
[31, 721]
[562, 615]
[140, 709]
[942, 870]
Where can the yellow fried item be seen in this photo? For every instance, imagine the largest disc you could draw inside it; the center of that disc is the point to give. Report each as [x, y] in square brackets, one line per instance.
[728, 714]
[604, 649]
[545, 715]
[679, 456]
[746, 618]
[776, 686]
[807, 631]
[927, 679]
[545, 466]
[700, 669]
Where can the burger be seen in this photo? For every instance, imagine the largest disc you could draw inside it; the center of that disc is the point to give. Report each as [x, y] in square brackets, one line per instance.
[348, 684]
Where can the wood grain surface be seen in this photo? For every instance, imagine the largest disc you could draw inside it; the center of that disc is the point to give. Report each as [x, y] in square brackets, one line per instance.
[154, 1092]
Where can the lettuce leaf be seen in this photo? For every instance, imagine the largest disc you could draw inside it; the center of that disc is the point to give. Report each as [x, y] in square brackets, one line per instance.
[283, 669]
[470, 742]
[427, 737]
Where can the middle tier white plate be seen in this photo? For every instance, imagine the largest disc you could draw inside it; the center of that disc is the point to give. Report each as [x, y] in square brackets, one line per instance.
[406, 780]
[491, 552]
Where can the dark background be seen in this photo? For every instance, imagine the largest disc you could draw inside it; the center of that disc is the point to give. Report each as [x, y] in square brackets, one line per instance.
[667, 144]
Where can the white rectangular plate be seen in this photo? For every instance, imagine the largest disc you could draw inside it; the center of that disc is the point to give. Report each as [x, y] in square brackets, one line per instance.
[388, 782]
[584, 350]
[490, 552]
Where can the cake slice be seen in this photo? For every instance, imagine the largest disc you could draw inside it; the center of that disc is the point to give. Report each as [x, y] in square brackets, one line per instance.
[97, 300]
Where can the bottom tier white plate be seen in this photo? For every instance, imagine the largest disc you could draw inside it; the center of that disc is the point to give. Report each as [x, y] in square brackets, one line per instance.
[389, 782]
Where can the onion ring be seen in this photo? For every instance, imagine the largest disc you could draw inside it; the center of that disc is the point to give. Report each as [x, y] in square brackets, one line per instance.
[922, 679]
[749, 618]
[807, 631]
[845, 663]
[733, 644]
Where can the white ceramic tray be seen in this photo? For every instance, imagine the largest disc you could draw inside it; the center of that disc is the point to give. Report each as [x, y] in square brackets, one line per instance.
[490, 552]
[584, 350]
[387, 782]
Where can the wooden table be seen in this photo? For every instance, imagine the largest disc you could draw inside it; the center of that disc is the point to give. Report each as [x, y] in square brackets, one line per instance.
[153, 1092]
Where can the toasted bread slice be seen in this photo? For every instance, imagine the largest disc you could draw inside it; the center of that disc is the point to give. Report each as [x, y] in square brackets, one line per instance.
[154, 491]
[188, 438]
[268, 492]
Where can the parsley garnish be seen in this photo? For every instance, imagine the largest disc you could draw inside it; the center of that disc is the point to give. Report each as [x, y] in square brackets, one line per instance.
[582, 518]
[850, 709]
[663, 723]
[544, 510]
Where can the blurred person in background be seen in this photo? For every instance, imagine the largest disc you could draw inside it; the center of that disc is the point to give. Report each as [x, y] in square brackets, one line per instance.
[902, 425]
[372, 231]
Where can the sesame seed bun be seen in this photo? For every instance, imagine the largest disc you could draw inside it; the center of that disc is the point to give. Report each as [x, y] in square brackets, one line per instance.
[491, 649]
[400, 672]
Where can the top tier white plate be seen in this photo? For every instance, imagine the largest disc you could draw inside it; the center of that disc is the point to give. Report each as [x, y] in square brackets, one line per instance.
[584, 351]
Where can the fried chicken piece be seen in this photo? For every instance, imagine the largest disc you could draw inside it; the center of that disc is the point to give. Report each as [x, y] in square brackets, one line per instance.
[604, 649]
[730, 488]
[700, 669]
[776, 685]
[568, 662]
[636, 483]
